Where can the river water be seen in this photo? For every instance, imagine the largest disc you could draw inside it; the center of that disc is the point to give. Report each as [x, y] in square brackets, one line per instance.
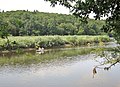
[70, 71]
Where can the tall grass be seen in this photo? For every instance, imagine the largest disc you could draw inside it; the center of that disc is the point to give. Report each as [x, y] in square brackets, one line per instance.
[50, 41]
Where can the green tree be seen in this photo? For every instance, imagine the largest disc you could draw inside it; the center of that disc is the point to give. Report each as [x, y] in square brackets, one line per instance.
[81, 31]
[101, 8]
[26, 23]
[68, 28]
[4, 32]
[3, 29]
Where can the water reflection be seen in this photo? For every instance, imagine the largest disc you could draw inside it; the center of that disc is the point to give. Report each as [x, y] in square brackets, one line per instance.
[64, 69]
[107, 60]
[50, 56]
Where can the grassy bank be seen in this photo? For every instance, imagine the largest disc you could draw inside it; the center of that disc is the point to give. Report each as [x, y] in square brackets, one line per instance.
[50, 41]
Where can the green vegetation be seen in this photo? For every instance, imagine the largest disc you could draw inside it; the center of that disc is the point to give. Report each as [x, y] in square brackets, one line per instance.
[50, 41]
[28, 58]
[110, 9]
[100, 8]
[26, 23]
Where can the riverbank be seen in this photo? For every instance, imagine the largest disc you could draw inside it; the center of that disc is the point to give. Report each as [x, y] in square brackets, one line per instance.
[26, 42]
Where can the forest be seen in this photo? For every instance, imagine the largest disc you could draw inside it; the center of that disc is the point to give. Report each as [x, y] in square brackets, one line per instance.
[39, 49]
[27, 23]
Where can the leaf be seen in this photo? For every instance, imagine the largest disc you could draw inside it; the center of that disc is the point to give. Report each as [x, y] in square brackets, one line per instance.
[94, 71]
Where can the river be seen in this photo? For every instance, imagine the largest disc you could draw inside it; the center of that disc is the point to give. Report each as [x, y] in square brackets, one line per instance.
[65, 68]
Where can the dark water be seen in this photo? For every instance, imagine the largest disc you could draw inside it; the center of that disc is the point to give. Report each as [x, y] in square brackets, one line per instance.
[72, 71]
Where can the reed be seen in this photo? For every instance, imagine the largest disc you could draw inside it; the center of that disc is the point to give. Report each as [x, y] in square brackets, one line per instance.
[50, 41]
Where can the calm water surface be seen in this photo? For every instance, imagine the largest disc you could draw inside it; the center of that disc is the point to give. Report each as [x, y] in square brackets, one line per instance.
[74, 71]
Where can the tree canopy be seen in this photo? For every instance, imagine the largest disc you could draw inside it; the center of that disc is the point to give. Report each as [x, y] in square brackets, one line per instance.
[101, 8]
[26, 23]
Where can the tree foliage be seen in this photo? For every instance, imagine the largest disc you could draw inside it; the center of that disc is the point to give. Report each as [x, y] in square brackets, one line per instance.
[101, 8]
[26, 23]
[3, 29]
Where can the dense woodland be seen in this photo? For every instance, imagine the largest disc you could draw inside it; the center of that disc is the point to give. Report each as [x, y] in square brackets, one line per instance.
[26, 23]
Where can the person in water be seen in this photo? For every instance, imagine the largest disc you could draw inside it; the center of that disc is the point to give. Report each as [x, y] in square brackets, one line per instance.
[40, 50]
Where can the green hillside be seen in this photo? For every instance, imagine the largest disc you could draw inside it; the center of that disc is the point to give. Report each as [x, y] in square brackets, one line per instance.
[26, 23]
